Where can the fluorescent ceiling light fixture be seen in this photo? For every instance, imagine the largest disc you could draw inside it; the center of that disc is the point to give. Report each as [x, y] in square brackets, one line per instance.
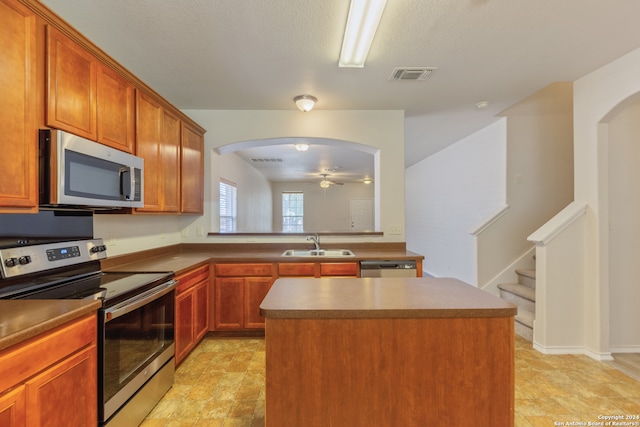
[362, 23]
[301, 147]
[305, 102]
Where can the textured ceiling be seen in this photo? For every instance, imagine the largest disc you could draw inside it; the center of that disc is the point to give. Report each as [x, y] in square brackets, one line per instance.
[259, 54]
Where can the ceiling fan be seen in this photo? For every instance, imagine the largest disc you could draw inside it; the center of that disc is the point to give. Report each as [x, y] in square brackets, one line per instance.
[325, 183]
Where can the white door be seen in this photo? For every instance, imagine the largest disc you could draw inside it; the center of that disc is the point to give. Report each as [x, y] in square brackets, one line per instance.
[362, 215]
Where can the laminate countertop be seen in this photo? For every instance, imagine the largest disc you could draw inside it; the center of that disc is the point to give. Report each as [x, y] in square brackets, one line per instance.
[183, 260]
[24, 319]
[371, 298]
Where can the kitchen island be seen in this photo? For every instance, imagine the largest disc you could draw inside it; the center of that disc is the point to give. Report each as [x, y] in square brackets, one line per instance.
[387, 352]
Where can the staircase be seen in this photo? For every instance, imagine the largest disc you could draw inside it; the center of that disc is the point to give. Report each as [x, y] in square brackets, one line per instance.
[522, 294]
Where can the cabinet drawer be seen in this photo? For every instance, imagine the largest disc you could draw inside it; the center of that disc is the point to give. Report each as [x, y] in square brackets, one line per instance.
[244, 270]
[190, 278]
[339, 269]
[296, 269]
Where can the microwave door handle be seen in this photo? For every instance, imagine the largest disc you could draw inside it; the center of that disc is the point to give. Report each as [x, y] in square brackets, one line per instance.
[126, 183]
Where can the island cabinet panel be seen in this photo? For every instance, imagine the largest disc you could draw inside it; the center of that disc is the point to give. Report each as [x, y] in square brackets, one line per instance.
[239, 290]
[390, 372]
[192, 310]
[192, 170]
[51, 379]
[71, 86]
[18, 106]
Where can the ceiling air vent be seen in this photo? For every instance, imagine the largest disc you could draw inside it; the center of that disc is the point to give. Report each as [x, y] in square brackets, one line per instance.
[411, 73]
[266, 160]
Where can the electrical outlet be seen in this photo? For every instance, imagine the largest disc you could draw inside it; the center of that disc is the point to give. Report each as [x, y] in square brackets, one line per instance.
[111, 238]
[200, 231]
[185, 232]
[395, 229]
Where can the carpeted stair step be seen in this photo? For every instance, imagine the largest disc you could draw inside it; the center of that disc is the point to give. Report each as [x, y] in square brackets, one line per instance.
[527, 277]
[522, 296]
[524, 324]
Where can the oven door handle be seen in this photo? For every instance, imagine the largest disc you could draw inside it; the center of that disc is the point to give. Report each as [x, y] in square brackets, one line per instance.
[138, 301]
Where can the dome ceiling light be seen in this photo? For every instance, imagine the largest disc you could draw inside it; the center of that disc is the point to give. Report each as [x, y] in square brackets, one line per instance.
[305, 103]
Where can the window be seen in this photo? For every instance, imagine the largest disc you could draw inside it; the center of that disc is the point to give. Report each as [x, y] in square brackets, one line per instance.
[292, 212]
[228, 206]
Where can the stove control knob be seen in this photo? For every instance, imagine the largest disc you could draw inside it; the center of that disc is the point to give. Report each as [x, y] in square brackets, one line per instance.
[98, 248]
[23, 260]
[10, 262]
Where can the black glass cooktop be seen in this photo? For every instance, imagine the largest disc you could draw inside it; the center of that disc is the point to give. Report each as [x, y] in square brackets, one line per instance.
[108, 287]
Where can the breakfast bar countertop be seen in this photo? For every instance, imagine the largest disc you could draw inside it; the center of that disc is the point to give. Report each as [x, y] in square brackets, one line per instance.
[371, 298]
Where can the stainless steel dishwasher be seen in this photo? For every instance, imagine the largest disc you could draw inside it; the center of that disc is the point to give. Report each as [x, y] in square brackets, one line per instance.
[388, 268]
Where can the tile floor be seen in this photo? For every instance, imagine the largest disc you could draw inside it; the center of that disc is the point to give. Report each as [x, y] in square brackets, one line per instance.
[221, 384]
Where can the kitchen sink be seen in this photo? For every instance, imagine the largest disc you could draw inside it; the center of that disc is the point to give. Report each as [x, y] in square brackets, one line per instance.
[329, 253]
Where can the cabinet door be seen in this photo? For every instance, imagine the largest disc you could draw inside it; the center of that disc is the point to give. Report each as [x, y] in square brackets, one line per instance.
[256, 289]
[65, 394]
[297, 269]
[116, 110]
[344, 269]
[184, 323]
[192, 170]
[170, 162]
[12, 408]
[71, 85]
[148, 136]
[229, 299]
[201, 315]
[18, 174]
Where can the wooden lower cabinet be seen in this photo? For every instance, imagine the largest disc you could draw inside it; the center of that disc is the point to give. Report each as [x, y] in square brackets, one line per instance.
[51, 380]
[12, 408]
[192, 310]
[239, 290]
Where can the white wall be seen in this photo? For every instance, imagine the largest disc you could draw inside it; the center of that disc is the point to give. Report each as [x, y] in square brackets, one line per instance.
[624, 229]
[539, 176]
[324, 209]
[451, 192]
[382, 130]
[598, 97]
[253, 195]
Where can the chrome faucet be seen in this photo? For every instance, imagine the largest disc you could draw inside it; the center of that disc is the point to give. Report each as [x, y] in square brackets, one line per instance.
[316, 241]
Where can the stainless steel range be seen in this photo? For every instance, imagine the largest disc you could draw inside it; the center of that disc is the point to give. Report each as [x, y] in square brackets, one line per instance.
[135, 323]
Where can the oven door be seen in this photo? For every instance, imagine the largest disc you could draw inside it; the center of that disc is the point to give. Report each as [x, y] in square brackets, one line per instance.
[137, 341]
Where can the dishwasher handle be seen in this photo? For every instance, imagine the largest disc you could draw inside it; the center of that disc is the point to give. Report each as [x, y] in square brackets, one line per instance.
[387, 264]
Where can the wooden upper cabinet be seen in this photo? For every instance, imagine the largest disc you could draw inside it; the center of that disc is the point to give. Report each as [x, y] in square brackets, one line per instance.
[170, 162]
[192, 150]
[116, 110]
[148, 135]
[18, 171]
[87, 98]
[71, 86]
[158, 142]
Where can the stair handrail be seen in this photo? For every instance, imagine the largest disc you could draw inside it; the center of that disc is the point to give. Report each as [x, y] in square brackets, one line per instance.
[487, 223]
[558, 223]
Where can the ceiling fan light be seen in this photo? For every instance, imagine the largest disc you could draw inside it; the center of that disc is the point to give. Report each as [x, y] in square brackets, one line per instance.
[362, 23]
[325, 184]
[305, 102]
[367, 181]
[301, 147]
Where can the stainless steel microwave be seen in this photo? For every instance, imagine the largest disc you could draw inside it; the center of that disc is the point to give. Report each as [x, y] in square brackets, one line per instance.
[75, 171]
